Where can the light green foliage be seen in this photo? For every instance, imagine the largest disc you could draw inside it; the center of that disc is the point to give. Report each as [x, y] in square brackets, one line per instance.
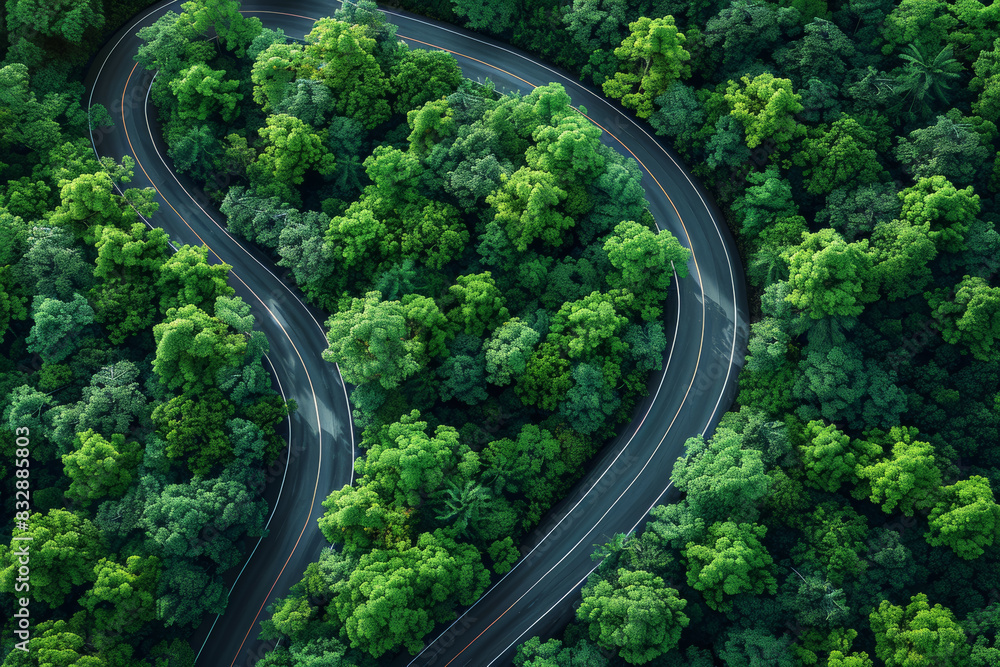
[423, 75]
[722, 478]
[64, 548]
[192, 425]
[191, 347]
[842, 155]
[479, 304]
[829, 276]
[360, 519]
[945, 210]
[405, 463]
[533, 653]
[965, 518]
[291, 149]
[123, 597]
[100, 468]
[645, 262]
[201, 92]
[66, 19]
[918, 635]
[430, 124]
[371, 342]
[909, 478]
[525, 207]
[582, 327]
[59, 326]
[766, 107]
[235, 31]
[636, 614]
[341, 55]
[186, 278]
[568, 149]
[507, 351]
[987, 82]
[729, 561]
[969, 316]
[274, 70]
[650, 59]
[394, 597]
[765, 204]
[829, 456]
[927, 21]
[902, 253]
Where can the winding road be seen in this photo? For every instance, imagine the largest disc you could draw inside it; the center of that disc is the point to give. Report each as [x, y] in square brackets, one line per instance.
[708, 319]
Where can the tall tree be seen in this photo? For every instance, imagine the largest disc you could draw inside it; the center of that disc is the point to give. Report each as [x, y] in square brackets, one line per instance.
[918, 635]
[969, 316]
[730, 560]
[650, 58]
[966, 518]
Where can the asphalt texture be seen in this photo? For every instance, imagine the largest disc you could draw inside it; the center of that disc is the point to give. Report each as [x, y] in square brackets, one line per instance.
[706, 322]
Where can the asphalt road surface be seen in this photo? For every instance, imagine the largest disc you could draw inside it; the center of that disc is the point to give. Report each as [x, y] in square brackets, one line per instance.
[707, 317]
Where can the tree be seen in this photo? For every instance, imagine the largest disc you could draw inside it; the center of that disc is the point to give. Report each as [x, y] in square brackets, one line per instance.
[422, 76]
[123, 598]
[371, 341]
[235, 31]
[969, 316]
[946, 211]
[909, 479]
[59, 326]
[186, 278]
[192, 425]
[342, 56]
[948, 149]
[730, 560]
[55, 268]
[291, 148]
[651, 57]
[743, 29]
[533, 653]
[835, 537]
[594, 24]
[829, 456]
[191, 347]
[492, 16]
[925, 79]
[644, 263]
[394, 597]
[67, 19]
[590, 401]
[100, 468]
[965, 518]
[203, 518]
[987, 82]
[567, 149]
[463, 378]
[479, 304]
[842, 155]
[273, 72]
[201, 92]
[405, 463]
[918, 635]
[765, 106]
[820, 54]
[765, 202]
[754, 647]
[64, 549]
[525, 207]
[722, 478]
[507, 351]
[636, 614]
[829, 276]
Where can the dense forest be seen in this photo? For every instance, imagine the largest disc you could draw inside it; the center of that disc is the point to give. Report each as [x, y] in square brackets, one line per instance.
[843, 513]
[495, 283]
[138, 417]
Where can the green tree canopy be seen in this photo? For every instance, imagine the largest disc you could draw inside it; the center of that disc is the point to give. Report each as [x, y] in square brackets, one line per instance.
[918, 635]
[965, 518]
[650, 58]
[730, 560]
[969, 316]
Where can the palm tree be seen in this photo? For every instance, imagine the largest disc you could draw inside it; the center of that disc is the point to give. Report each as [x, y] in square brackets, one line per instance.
[926, 79]
[463, 504]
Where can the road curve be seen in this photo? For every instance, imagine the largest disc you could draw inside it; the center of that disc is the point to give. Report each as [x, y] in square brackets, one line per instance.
[708, 318]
